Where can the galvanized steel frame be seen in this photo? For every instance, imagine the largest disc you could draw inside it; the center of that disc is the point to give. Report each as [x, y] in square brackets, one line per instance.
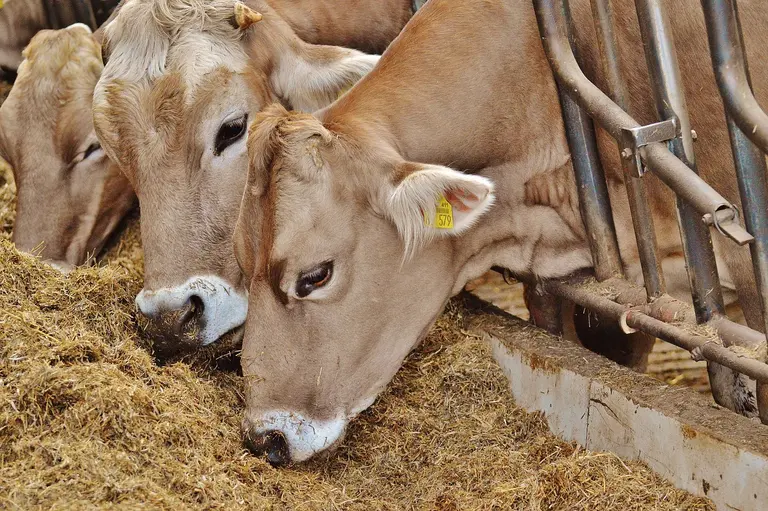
[673, 162]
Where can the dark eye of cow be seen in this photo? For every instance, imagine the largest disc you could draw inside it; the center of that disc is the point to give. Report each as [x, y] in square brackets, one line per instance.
[91, 149]
[314, 279]
[229, 133]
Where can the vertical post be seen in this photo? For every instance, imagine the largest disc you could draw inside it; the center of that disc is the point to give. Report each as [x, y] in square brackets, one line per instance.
[642, 218]
[727, 388]
[590, 181]
[729, 56]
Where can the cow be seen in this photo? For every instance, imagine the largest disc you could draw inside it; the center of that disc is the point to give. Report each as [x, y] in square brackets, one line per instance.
[70, 196]
[182, 80]
[359, 222]
[22, 19]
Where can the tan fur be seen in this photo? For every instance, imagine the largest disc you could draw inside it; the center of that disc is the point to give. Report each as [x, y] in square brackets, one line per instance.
[466, 85]
[66, 207]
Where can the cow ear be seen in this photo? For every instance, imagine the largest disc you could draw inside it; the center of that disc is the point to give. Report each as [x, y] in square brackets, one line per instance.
[429, 201]
[314, 76]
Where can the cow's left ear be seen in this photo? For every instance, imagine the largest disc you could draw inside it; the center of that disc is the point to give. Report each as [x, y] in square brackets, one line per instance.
[313, 76]
[429, 201]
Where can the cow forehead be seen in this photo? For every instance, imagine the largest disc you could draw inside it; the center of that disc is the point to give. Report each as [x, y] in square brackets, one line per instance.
[151, 37]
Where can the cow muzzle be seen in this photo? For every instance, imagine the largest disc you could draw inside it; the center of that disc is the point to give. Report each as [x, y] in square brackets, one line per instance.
[289, 437]
[192, 315]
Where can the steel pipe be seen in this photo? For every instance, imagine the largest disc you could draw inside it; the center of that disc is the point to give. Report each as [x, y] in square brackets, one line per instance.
[731, 72]
[670, 104]
[747, 126]
[642, 217]
[708, 348]
[614, 120]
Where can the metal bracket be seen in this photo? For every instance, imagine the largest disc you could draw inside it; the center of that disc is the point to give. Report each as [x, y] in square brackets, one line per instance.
[633, 139]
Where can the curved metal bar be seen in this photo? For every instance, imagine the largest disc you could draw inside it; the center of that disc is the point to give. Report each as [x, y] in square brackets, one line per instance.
[731, 71]
[591, 185]
[614, 120]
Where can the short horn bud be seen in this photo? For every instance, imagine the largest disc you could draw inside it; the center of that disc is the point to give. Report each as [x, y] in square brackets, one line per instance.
[245, 16]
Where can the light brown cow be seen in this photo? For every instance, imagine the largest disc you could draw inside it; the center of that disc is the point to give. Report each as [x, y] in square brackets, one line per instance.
[70, 195]
[183, 78]
[354, 232]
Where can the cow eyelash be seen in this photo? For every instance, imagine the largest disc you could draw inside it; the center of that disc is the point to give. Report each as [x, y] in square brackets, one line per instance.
[91, 149]
[229, 133]
[314, 279]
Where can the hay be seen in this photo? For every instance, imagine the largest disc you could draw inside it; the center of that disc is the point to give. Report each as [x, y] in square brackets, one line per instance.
[89, 420]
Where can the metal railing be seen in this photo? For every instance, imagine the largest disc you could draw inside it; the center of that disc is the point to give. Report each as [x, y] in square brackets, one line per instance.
[666, 149]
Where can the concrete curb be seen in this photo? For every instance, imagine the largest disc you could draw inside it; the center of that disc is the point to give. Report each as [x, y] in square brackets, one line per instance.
[685, 438]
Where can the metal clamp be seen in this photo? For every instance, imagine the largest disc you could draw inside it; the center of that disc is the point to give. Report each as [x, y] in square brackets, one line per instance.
[726, 221]
[633, 139]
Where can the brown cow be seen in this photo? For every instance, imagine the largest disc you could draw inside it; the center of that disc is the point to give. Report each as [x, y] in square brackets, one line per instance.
[70, 195]
[354, 232]
[181, 82]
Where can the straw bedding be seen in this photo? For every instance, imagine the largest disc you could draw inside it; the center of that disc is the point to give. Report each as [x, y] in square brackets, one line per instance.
[89, 420]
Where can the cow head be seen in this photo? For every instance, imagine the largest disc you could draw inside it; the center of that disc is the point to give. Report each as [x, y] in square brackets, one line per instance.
[349, 261]
[183, 80]
[70, 196]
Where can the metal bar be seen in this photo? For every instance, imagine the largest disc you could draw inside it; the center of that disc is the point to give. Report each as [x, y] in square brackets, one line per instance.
[707, 347]
[731, 71]
[590, 182]
[614, 120]
[670, 103]
[703, 278]
[642, 218]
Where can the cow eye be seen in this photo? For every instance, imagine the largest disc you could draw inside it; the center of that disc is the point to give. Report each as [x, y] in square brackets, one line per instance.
[314, 279]
[91, 149]
[229, 133]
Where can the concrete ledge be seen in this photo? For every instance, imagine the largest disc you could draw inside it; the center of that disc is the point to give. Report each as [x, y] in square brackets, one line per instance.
[586, 398]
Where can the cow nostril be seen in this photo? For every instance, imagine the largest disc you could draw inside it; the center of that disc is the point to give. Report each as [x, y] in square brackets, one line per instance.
[191, 312]
[271, 443]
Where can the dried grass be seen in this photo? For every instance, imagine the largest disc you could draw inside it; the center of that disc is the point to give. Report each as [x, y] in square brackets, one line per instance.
[88, 420]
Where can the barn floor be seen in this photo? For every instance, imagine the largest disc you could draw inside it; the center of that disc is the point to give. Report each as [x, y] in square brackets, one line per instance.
[89, 420]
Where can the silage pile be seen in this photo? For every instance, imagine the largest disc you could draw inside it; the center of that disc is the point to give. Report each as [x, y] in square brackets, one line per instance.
[89, 420]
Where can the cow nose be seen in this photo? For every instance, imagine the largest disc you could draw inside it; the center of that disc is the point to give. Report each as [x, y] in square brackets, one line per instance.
[174, 330]
[191, 315]
[272, 443]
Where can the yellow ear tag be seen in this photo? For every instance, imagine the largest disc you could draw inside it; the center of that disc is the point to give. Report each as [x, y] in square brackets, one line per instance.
[1, 4]
[443, 215]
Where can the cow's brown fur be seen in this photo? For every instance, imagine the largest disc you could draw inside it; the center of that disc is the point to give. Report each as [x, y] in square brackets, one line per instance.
[466, 85]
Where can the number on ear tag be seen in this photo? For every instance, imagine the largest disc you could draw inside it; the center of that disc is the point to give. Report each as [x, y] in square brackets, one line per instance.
[443, 215]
